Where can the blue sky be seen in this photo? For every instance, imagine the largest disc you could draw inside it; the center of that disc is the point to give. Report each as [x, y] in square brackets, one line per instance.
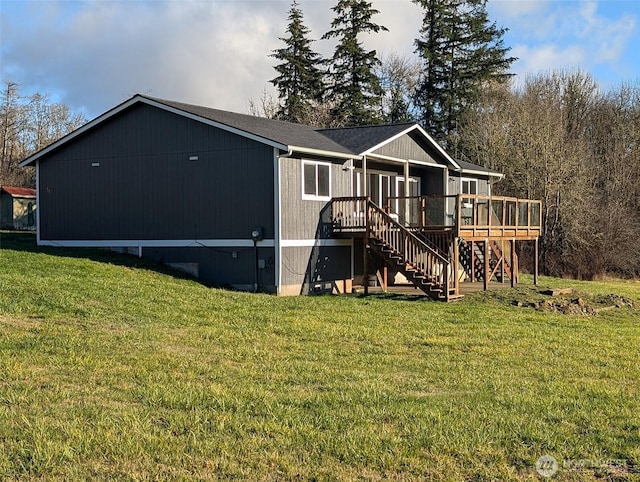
[92, 55]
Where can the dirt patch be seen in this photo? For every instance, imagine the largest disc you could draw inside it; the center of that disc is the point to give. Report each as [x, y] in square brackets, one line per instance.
[566, 301]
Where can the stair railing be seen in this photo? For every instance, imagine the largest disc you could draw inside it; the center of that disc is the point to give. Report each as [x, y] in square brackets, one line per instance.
[413, 250]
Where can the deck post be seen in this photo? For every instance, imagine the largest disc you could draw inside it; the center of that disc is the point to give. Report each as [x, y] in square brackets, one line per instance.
[385, 278]
[502, 260]
[365, 265]
[454, 266]
[513, 262]
[536, 263]
[365, 246]
[487, 271]
[473, 262]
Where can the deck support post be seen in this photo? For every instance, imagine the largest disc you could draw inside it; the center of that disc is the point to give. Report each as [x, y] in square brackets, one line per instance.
[513, 263]
[487, 270]
[502, 261]
[365, 265]
[473, 262]
[536, 263]
[454, 266]
[385, 278]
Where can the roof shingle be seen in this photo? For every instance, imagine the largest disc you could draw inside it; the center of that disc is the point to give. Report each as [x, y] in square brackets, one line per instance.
[286, 133]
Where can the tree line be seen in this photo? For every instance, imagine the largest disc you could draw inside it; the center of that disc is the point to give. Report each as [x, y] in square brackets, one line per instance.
[27, 124]
[458, 49]
[557, 136]
[560, 138]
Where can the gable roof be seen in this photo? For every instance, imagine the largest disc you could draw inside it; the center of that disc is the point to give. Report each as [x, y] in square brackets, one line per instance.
[363, 139]
[25, 192]
[283, 135]
[367, 139]
[342, 143]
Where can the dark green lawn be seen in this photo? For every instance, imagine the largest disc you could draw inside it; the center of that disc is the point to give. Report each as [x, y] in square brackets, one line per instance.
[111, 368]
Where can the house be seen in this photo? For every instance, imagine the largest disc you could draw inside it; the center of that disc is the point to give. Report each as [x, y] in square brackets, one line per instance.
[17, 208]
[257, 203]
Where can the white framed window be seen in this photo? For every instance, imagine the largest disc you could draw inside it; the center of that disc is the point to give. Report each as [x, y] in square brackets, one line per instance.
[469, 186]
[316, 180]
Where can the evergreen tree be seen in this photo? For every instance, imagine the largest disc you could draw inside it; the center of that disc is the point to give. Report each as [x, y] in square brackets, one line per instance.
[300, 79]
[354, 86]
[460, 51]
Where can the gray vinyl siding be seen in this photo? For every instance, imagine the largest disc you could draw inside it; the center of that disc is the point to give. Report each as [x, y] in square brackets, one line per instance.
[316, 268]
[405, 147]
[302, 218]
[147, 188]
[455, 183]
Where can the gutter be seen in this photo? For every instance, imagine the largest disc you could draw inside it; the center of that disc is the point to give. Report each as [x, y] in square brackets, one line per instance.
[320, 152]
[482, 173]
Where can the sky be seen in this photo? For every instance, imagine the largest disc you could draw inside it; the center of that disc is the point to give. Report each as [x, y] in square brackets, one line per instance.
[94, 54]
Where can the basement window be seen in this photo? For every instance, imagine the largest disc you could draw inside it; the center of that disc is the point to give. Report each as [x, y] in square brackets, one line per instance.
[316, 181]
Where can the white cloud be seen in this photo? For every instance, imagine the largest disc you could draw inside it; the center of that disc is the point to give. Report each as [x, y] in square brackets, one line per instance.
[546, 58]
[95, 54]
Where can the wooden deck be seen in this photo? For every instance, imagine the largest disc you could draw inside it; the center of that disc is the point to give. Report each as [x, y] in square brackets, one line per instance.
[472, 217]
[430, 237]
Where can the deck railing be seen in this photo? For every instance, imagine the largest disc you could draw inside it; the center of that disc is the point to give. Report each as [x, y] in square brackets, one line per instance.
[468, 211]
[413, 250]
[359, 214]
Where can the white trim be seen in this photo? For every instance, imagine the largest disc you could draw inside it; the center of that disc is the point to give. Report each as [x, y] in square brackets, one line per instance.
[314, 197]
[159, 243]
[390, 139]
[469, 180]
[296, 243]
[320, 152]
[141, 99]
[430, 139]
[428, 164]
[381, 157]
[482, 173]
[277, 220]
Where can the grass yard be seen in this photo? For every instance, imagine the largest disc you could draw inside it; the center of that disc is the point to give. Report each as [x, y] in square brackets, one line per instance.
[110, 368]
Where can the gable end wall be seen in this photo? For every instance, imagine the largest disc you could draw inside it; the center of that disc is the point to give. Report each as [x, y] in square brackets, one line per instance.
[146, 188]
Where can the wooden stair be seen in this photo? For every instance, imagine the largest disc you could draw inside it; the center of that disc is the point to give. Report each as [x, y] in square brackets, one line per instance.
[401, 249]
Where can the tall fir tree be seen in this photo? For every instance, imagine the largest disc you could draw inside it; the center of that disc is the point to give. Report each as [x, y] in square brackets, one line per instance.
[300, 77]
[460, 51]
[353, 85]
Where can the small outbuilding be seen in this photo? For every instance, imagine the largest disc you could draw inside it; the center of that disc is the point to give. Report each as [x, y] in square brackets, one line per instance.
[17, 208]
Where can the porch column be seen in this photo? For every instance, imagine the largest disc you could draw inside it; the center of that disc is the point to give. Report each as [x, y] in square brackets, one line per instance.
[364, 176]
[407, 192]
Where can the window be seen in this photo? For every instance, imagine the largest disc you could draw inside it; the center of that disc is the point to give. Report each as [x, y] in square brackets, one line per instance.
[316, 180]
[469, 186]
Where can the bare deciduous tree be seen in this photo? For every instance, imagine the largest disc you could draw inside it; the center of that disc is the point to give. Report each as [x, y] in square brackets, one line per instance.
[27, 124]
[559, 139]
